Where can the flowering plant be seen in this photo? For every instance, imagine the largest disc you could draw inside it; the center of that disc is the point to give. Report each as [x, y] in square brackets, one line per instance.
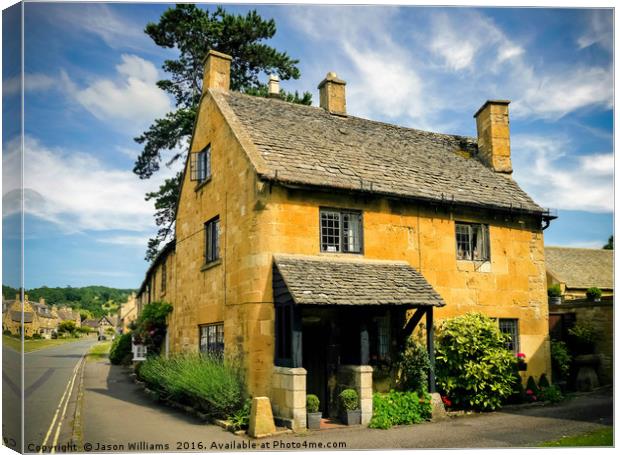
[530, 394]
[521, 356]
[446, 401]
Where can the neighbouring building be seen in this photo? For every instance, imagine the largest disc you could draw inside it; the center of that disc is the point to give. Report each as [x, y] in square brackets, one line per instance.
[575, 270]
[66, 313]
[38, 317]
[127, 313]
[309, 243]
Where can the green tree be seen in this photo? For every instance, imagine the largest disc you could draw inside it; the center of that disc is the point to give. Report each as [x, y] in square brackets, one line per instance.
[192, 32]
[66, 327]
[610, 243]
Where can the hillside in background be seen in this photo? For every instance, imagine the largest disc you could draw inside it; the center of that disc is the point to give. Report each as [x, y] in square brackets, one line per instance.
[92, 301]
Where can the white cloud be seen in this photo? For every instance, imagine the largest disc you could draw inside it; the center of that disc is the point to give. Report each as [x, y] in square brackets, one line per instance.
[599, 30]
[126, 240]
[131, 101]
[32, 82]
[101, 20]
[78, 192]
[549, 172]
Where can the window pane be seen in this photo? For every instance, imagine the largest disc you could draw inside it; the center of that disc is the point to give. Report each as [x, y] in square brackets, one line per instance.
[463, 241]
[351, 232]
[510, 327]
[207, 165]
[330, 231]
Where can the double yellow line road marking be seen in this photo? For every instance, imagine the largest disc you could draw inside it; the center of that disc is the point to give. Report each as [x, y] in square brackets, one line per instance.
[59, 416]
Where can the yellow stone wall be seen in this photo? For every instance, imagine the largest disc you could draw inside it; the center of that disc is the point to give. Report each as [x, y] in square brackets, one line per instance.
[258, 220]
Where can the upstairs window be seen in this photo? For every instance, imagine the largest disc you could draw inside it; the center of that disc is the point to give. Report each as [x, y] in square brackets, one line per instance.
[212, 339]
[510, 327]
[341, 231]
[201, 165]
[212, 240]
[472, 242]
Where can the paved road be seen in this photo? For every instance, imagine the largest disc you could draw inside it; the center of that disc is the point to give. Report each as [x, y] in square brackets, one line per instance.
[49, 392]
[116, 413]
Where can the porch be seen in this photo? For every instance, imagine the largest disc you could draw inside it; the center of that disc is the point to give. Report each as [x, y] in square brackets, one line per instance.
[336, 320]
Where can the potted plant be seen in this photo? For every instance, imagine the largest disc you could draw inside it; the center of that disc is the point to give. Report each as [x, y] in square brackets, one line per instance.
[312, 412]
[594, 294]
[555, 294]
[350, 412]
[521, 363]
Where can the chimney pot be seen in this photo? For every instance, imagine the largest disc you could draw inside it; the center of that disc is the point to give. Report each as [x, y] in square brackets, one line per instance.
[493, 127]
[216, 71]
[332, 95]
[274, 86]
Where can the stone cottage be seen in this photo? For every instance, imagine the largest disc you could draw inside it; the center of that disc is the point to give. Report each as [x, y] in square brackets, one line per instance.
[310, 242]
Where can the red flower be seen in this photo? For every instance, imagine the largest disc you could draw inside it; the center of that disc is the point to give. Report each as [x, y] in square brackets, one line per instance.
[520, 355]
[529, 392]
[446, 401]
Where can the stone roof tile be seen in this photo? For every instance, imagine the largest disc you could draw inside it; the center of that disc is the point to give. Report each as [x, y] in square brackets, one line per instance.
[581, 268]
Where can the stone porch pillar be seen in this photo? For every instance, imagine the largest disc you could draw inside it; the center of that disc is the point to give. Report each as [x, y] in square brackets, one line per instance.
[288, 397]
[359, 377]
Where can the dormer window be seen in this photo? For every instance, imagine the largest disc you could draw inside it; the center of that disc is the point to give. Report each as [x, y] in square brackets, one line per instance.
[341, 231]
[201, 165]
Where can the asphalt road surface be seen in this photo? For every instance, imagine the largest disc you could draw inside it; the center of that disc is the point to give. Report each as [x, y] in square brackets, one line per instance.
[50, 387]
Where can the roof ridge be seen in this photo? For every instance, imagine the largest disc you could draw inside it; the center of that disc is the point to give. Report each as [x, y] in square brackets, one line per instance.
[339, 258]
[378, 122]
[577, 248]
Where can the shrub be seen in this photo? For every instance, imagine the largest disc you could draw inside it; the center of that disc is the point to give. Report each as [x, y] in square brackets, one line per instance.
[349, 401]
[531, 385]
[413, 365]
[240, 419]
[399, 408]
[120, 352]
[543, 382]
[54, 335]
[212, 385]
[554, 291]
[583, 337]
[312, 403]
[473, 366]
[66, 327]
[6, 332]
[150, 327]
[551, 394]
[36, 336]
[560, 358]
[593, 293]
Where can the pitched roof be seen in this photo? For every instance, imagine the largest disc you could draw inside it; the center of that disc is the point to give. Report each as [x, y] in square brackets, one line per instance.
[581, 267]
[16, 316]
[306, 145]
[317, 280]
[91, 323]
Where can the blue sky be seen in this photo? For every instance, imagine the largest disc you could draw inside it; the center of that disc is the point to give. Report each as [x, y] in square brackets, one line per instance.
[90, 88]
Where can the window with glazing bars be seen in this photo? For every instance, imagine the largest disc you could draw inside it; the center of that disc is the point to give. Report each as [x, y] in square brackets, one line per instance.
[212, 240]
[472, 242]
[510, 327]
[201, 164]
[341, 231]
[212, 339]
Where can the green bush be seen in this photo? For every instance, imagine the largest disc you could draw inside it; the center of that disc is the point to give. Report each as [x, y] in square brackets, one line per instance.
[473, 367]
[554, 291]
[543, 382]
[240, 419]
[120, 352]
[214, 386]
[583, 337]
[551, 394]
[349, 401]
[413, 365]
[312, 403]
[560, 358]
[593, 293]
[67, 327]
[6, 332]
[399, 408]
[150, 327]
[36, 336]
[531, 385]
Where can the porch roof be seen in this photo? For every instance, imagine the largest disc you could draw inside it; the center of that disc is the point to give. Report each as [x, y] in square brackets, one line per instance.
[318, 280]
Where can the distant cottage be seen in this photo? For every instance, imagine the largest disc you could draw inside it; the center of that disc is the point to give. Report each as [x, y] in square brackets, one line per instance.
[311, 243]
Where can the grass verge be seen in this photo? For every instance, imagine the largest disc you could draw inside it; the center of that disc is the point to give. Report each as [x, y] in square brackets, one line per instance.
[99, 351]
[33, 345]
[599, 438]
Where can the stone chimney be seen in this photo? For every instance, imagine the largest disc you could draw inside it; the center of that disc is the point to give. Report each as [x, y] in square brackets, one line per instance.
[493, 127]
[217, 71]
[274, 86]
[332, 95]
[41, 300]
